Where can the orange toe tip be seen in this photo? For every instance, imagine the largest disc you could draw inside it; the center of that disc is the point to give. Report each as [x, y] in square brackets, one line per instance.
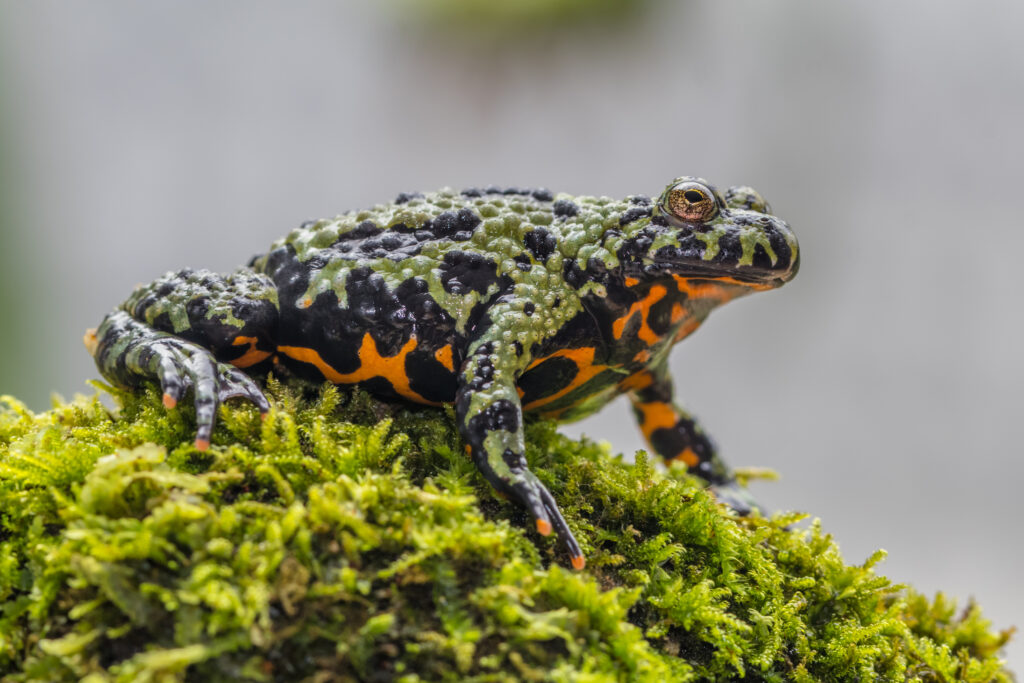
[579, 562]
[543, 527]
[202, 444]
[170, 402]
[263, 416]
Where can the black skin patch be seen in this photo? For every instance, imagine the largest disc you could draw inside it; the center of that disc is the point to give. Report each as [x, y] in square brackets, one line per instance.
[464, 271]
[674, 440]
[640, 199]
[429, 378]
[405, 197]
[546, 379]
[633, 214]
[564, 208]
[502, 415]
[361, 231]
[634, 248]
[541, 243]
[542, 194]
[573, 274]
[453, 224]
[659, 319]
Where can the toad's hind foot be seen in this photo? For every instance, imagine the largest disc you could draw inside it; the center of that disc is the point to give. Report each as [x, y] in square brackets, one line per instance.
[130, 352]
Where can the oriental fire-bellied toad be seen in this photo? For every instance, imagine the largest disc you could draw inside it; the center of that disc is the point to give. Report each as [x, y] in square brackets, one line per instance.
[499, 301]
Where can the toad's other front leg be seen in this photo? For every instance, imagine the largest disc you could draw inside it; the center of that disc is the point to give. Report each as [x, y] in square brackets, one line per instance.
[676, 436]
[490, 419]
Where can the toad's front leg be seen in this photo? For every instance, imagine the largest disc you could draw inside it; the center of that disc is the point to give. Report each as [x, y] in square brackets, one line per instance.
[676, 436]
[490, 419]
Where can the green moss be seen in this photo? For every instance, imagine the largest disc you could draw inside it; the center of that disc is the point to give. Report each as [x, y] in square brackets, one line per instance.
[342, 539]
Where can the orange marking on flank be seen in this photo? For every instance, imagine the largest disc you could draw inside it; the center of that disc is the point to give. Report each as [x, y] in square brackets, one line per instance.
[656, 415]
[642, 356]
[579, 562]
[371, 364]
[444, 357]
[686, 329]
[643, 306]
[543, 527]
[632, 281]
[637, 381]
[586, 370]
[688, 457]
[170, 402]
[252, 356]
[202, 444]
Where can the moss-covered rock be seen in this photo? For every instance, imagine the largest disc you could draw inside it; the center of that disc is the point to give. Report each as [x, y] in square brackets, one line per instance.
[342, 539]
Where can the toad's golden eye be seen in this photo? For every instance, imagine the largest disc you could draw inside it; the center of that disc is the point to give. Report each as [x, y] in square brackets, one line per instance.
[691, 202]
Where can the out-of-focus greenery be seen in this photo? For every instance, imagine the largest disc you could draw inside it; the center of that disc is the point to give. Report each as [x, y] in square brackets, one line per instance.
[343, 539]
[524, 16]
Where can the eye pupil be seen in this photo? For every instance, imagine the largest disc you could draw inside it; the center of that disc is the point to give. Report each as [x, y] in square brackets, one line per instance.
[693, 196]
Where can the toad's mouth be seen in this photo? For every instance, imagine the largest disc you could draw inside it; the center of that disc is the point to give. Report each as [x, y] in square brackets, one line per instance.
[748, 276]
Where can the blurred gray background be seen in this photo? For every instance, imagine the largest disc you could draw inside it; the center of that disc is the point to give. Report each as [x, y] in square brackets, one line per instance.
[885, 383]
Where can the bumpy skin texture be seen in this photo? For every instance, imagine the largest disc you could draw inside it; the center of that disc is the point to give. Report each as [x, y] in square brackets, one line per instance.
[499, 301]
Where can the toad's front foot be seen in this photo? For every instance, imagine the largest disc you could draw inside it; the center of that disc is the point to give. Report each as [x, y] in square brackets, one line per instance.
[130, 352]
[736, 497]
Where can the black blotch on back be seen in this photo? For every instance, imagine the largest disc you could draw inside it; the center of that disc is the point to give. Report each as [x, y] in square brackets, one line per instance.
[361, 231]
[641, 199]
[633, 214]
[404, 197]
[540, 242]
[564, 208]
[463, 271]
[523, 261]
[457, 225]
[574, 276]
[634, 248]
[542, 194]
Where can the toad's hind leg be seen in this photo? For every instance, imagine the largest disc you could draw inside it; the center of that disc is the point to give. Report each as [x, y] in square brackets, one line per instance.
[191, 330]
[676, 436]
